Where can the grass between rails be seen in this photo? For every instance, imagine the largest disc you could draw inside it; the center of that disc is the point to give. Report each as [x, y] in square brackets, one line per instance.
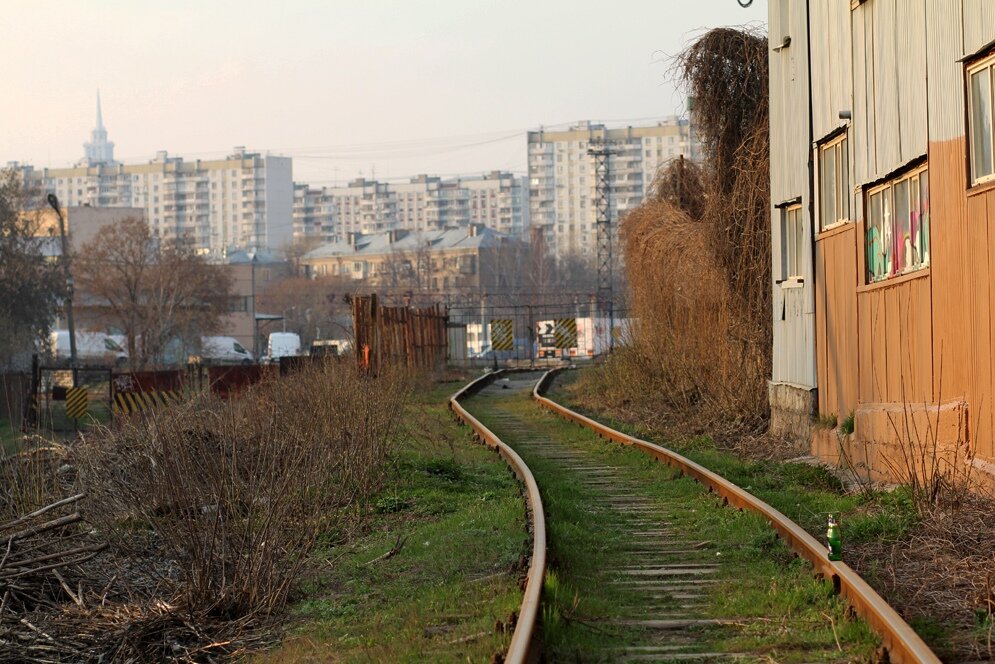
[456, 513]
[781, 611]
[873, 521]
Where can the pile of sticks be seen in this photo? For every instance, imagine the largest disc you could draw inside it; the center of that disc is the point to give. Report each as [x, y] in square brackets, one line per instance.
[40, 557]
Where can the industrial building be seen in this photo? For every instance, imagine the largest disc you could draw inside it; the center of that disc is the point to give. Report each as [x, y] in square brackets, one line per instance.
[881, 124]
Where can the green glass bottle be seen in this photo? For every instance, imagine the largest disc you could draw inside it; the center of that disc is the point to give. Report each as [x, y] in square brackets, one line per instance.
[834, 540]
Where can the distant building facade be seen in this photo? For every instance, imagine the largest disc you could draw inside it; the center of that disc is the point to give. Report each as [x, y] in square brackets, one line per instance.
[497, 200]
[562, 180]
[243, 201]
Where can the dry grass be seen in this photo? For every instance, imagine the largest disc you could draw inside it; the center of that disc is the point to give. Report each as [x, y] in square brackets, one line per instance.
[210, 511]
[942, 573]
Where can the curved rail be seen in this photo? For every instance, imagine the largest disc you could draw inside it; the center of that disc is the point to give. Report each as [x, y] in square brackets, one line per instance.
[902, 643]
[522, 640]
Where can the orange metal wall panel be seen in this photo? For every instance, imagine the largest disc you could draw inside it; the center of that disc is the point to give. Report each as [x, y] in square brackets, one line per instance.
[821, 368]
[848, 319]
[979, 391]
[949, 272]
[836, 314]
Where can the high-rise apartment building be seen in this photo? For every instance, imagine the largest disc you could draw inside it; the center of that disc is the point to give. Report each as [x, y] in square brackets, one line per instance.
[315, 213]
[425, 203]
[242, 201]
[562, 180]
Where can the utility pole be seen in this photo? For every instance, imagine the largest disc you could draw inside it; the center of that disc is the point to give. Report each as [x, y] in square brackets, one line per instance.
[53, 201]
[602, 203]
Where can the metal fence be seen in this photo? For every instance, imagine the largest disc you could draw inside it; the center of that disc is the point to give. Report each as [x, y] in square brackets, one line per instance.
[506, 334]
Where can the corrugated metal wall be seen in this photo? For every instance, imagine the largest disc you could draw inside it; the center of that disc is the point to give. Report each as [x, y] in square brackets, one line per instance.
[793, 308]
[979, 24]
[889, 67]
[945, 76]
[831, 66]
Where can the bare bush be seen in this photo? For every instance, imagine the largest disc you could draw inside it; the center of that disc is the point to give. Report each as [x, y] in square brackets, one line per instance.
[236, 492]
[201, 518]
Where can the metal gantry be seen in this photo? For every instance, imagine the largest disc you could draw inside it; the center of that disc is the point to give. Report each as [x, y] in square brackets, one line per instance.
[602, 203]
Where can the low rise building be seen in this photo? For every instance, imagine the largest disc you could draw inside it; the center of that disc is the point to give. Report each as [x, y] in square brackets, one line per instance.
[474, 259]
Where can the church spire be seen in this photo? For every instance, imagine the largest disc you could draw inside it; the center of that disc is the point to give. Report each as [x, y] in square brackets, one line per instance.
[98, 150]
[100, 119]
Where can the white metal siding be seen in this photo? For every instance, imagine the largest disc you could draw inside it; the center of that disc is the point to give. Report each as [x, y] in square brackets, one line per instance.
[861, 126]
[831, 65]
[910, 31]
[979, 24]
[887, 131]
[945, 76]
[793, 314]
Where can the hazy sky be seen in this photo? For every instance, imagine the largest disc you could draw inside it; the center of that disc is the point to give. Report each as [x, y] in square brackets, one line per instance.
[401, 87]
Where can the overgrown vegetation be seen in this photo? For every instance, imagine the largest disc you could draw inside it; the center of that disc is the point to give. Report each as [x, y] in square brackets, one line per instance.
[432, 573]
[210, 512]
[698, 253]
[932, 561]
[775, 607]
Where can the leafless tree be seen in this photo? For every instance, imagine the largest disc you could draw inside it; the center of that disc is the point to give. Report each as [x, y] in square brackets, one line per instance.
[154, 292]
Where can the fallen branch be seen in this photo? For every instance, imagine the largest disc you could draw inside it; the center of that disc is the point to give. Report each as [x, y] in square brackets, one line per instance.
[398, 545]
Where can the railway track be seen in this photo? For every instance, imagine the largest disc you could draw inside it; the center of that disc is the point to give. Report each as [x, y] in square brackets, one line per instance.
[622, 534]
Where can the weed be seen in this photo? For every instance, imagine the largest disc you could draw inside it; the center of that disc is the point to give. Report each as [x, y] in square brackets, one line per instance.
[846, 426]
[825, 421]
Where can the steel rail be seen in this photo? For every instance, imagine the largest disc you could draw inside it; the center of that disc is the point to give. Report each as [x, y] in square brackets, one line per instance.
[900, 640]
[521, 648]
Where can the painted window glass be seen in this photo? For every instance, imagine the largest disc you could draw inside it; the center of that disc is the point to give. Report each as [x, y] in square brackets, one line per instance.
[834, 182]
[792, 243]
[979, 92]
[897, 233]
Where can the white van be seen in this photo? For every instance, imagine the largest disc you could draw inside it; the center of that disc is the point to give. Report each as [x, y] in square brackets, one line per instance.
[91, 347]
[282, 344]
[225, 350]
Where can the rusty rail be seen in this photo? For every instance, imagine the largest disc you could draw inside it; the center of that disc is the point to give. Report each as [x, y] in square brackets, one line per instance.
[902, 643]
[521, 648]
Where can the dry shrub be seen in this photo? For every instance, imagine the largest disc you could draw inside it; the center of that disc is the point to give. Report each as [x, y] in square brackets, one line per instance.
[698, 254]
[235, 493]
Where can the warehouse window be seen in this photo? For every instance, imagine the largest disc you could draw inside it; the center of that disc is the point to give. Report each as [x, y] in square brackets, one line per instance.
[834, 182]
[979, 93]
[792, 243]
[897, 235]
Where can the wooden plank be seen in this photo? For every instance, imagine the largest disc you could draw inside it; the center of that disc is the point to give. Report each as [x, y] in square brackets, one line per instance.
[865, 347]
[893, 339]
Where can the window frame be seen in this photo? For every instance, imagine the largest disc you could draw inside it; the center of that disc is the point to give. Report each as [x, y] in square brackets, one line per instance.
[918, 174]
[792, 245]
[986, 63]
[840, 146]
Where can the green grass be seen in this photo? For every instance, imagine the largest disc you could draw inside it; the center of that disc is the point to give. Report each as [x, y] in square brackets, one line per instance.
[804, 493]
[448, 593]
[9, 437]
[783, 612]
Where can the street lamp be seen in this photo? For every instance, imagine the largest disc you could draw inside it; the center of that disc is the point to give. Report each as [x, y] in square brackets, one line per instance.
[53, 201]
[255, 323]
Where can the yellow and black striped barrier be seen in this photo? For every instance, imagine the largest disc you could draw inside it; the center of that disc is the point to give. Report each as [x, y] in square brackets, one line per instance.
[565, 332]
[76, 398]
[502, 334]
[129, 403]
